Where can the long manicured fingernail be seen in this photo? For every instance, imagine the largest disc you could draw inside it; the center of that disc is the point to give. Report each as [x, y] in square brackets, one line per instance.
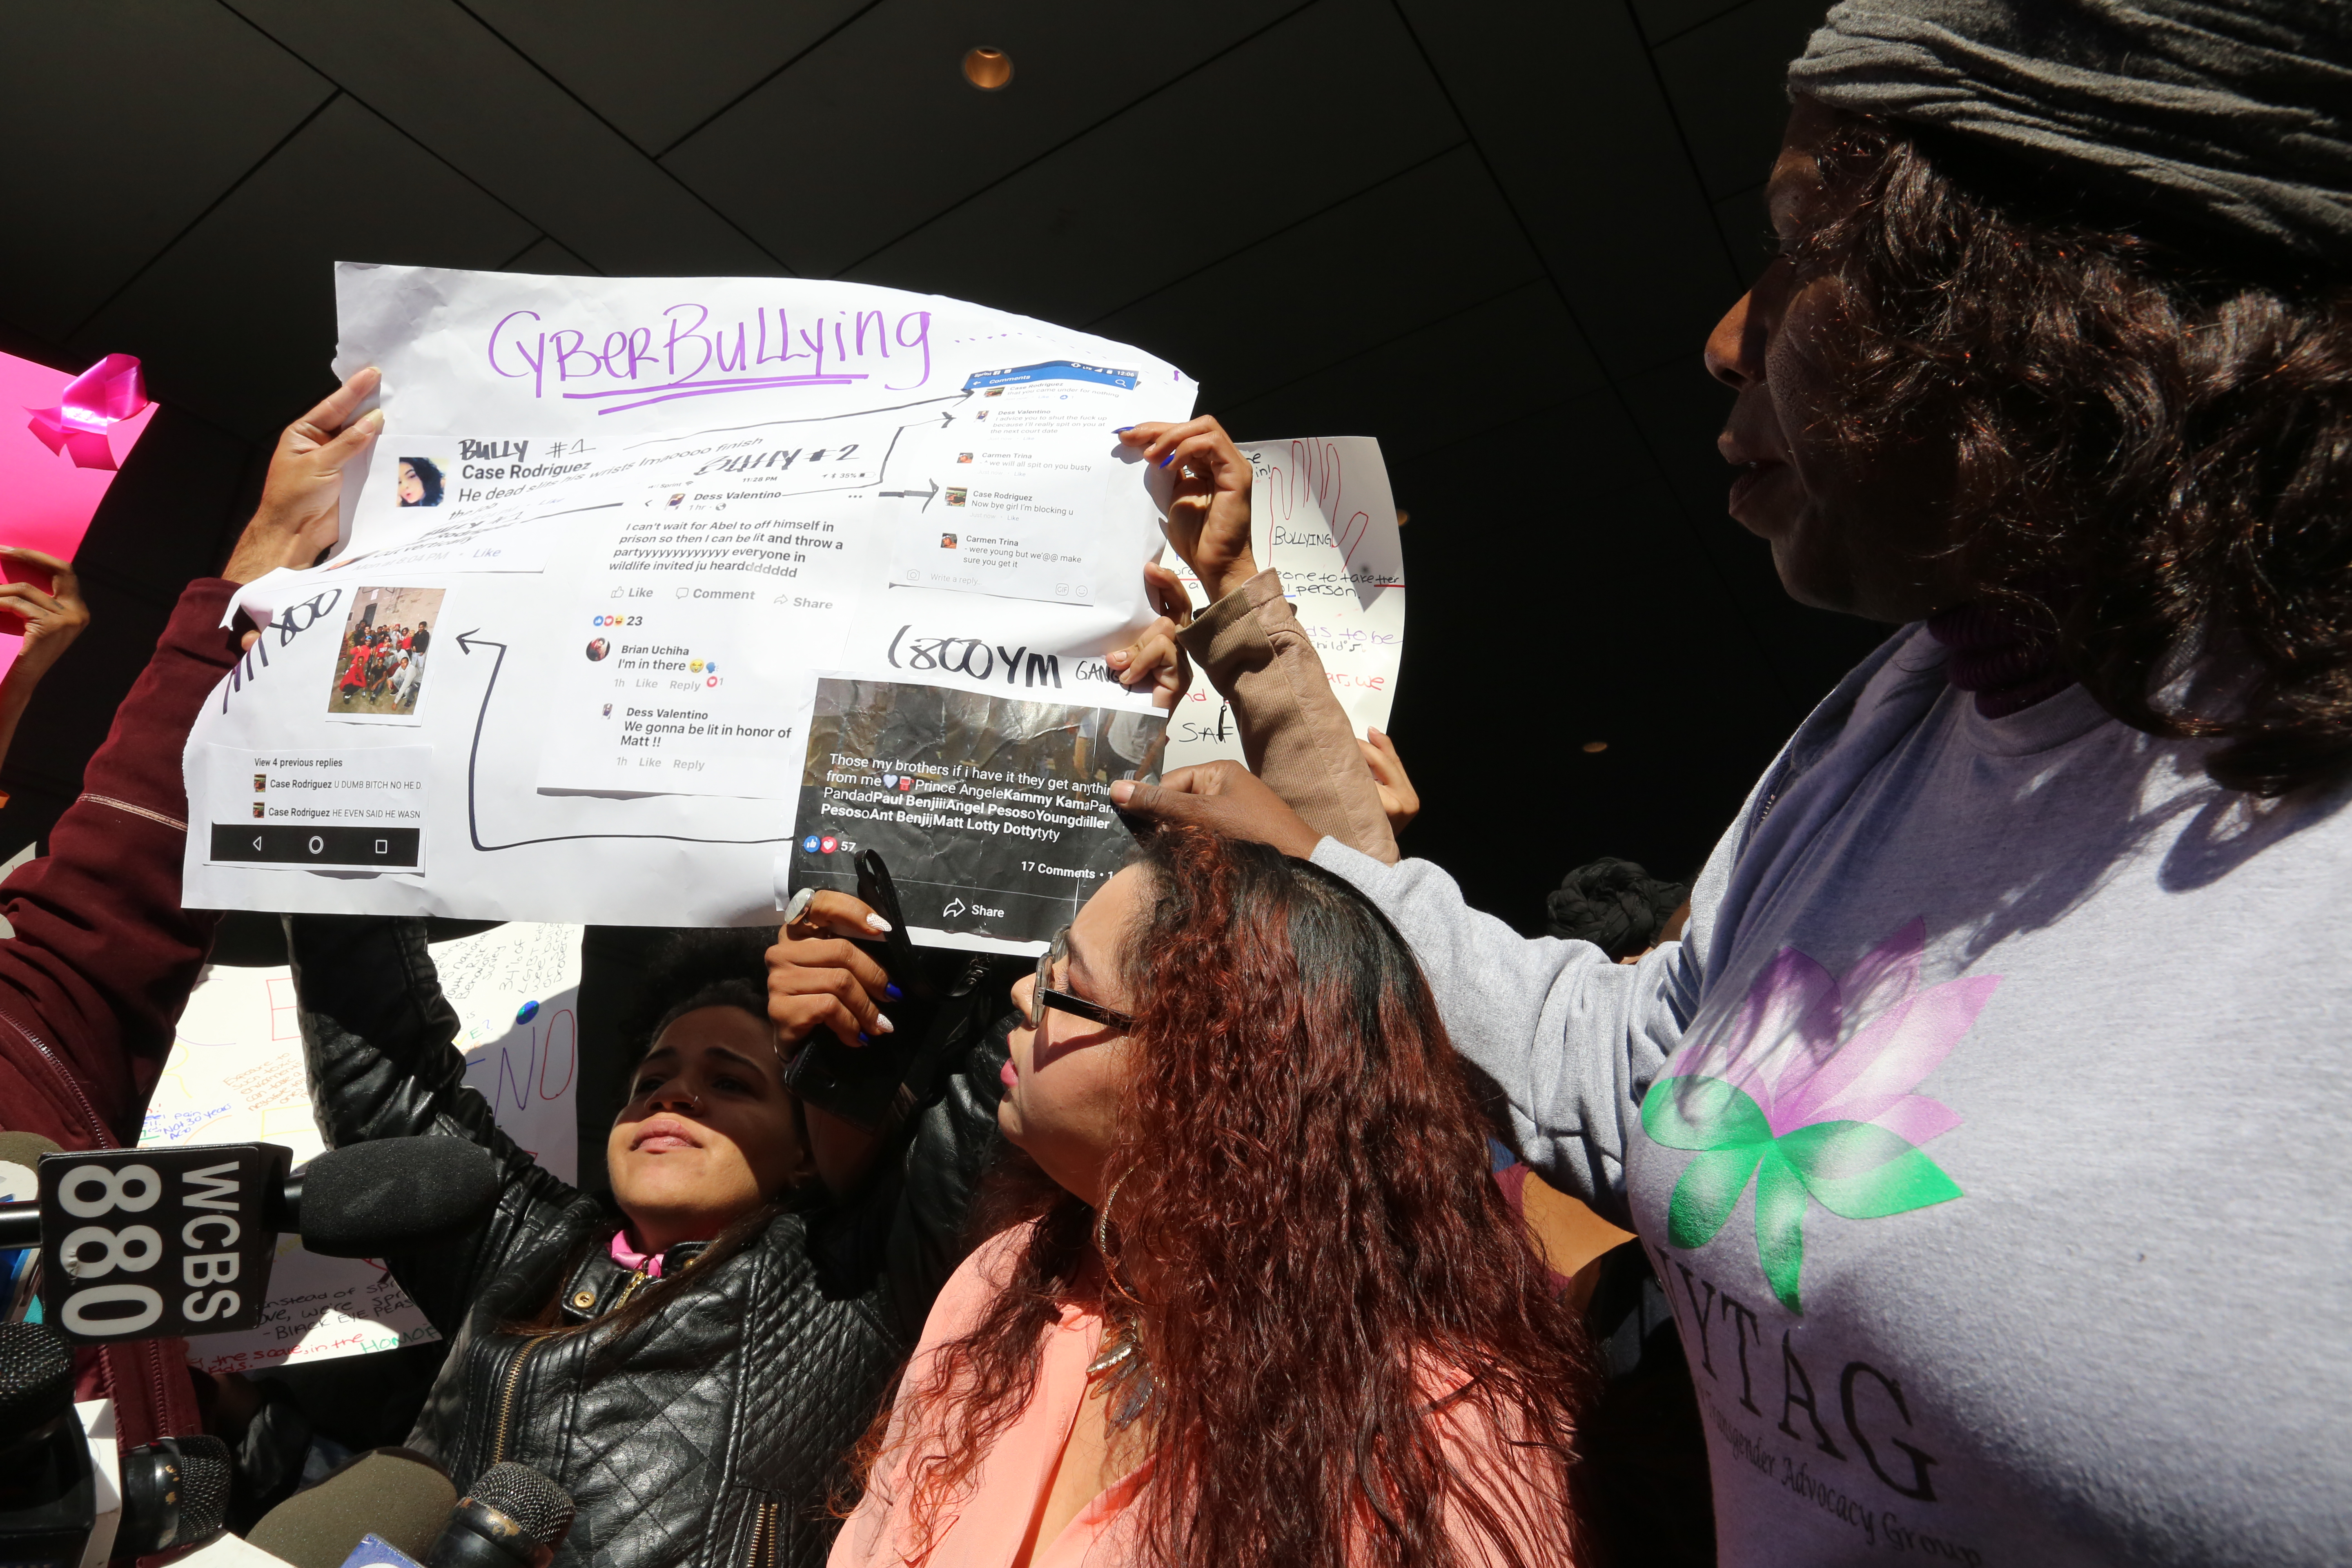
[893, 992]
[1122, 429]
[876, 922]
[883, 1025]
[1168, 459]
[865, 1040]
[373, 419]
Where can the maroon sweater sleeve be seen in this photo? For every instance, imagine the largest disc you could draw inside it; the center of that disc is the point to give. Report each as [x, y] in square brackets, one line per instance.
[104, 956]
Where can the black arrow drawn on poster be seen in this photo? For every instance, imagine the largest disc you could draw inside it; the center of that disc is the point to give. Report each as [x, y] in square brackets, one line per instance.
[927, 495]
[466, 641]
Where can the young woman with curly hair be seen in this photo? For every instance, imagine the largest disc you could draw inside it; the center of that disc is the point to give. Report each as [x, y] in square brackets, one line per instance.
[1986, 1123]
[1252, 1297]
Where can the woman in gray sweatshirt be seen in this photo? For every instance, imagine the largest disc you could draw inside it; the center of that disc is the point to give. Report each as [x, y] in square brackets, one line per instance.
[1988, 1123]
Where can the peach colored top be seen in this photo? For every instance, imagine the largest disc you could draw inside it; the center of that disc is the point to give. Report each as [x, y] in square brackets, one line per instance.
[987, 1529]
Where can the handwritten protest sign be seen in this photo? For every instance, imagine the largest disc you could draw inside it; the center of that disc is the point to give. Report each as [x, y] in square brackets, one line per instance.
[1321, 514]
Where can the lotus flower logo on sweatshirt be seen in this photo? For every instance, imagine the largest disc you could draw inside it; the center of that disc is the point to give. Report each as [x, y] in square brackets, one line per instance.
[1811, 1090]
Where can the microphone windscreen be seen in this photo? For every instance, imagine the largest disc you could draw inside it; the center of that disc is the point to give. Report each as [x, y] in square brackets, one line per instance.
[36, 1377]
[393, 1493]
[543, 1509]
[396, 1195]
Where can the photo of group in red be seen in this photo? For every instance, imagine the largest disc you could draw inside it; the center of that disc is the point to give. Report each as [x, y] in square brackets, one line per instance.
[380, 667]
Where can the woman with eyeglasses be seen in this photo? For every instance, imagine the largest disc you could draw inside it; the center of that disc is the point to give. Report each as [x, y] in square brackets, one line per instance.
[1249, 1295]
[691, 1355]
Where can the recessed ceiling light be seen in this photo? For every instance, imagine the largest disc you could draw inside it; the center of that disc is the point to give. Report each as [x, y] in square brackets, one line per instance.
[1596, 745]
[988, 70]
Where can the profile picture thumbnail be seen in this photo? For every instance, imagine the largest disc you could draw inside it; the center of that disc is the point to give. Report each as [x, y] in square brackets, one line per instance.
[598, 649]
[964, 456]
[387, 642]
[678, 498]
[956, 498]
[947, 541]
[419, 482]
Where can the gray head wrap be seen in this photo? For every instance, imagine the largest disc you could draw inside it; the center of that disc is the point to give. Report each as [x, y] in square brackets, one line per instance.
[2233, 117]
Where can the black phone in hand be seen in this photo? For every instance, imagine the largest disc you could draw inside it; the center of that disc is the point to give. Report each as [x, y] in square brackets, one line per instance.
[861, 1084]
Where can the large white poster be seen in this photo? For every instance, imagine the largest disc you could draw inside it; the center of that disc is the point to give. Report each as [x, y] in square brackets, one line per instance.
[561, 666]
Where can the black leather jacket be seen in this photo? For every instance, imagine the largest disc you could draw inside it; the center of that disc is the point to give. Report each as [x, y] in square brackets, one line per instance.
[710, 1437]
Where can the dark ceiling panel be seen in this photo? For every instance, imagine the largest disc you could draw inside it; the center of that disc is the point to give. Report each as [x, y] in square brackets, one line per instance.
[236, 322]
[1184, 177]
[657, 71]
[1437, 384]
[1568, 113]
[1371, 268]
[1663, 19]
[864, 138]
[432, 69]
[116, 145]
[550, 258]
[1728, 80]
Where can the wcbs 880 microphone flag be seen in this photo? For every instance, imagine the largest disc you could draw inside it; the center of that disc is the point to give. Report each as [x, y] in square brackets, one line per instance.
[163, 1242]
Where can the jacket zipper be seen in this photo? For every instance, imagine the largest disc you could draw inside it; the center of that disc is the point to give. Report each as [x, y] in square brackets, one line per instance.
[514, 1375]
[629, 1290]
[764, 1537]
[98, 1128]
[507, 1399]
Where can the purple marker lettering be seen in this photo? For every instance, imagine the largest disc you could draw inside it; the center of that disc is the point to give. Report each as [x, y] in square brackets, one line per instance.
[739, 361]
[516, 344]
[616, 353]
[641, 345]
[566, 353]
[684, 332]
[881, 332]
[921, 339]
[838, 351]
[815, 344]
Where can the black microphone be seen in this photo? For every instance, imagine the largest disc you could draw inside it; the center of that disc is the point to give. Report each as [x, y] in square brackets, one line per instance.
[162, 1243]
[513, 1517]
[49, 1494]
[174, 1493]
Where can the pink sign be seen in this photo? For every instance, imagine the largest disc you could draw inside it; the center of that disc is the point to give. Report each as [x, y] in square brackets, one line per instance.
[61, 438]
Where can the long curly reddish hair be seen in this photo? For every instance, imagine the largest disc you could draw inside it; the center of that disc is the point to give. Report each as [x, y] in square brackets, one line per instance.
[1324, 1261]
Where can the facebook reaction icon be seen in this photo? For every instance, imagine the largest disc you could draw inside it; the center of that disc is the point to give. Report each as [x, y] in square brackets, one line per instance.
[809, 843]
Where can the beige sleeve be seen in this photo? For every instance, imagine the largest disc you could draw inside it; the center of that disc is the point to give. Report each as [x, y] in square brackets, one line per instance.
[1295, 734]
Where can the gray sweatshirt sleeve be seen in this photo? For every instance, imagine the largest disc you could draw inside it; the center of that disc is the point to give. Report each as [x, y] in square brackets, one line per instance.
[1573, 1039]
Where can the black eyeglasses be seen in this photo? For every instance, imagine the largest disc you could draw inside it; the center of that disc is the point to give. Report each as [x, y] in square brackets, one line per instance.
[1062, 1000]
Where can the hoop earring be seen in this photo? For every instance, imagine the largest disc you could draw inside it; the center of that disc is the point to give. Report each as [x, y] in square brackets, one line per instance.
[1102, 1239]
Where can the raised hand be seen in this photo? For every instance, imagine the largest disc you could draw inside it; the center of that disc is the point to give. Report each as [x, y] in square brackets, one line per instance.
[1154, 656]
[303, 498]
[52, 620]
[818, 980]
[1399, 799]
[1209, 516]
[1223, 797]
